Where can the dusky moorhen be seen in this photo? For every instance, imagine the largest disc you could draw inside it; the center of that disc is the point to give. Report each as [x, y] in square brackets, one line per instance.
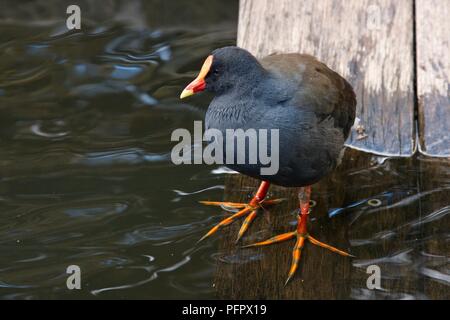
[312, 106]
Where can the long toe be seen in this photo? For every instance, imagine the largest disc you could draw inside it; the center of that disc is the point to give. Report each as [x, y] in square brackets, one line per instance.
[234, 205]
[276, 239]
[225, 222]
[246, 224]
[296, 255]
[327, 246]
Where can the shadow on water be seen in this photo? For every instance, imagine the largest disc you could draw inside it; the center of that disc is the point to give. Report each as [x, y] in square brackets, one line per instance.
[85, 170]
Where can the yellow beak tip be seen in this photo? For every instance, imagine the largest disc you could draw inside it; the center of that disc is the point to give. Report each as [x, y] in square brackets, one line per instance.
[186, 93]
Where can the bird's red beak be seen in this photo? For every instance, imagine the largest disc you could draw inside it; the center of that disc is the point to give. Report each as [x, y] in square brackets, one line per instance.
[199, 83]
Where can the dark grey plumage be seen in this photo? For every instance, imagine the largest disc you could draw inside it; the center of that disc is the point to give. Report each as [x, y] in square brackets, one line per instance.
[312, 106]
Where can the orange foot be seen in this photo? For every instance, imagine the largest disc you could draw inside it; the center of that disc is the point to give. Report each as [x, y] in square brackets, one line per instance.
[300, 234]
[249, 209]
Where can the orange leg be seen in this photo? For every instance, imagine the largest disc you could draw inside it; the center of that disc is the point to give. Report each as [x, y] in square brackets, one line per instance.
[301, 234]
[249, 209]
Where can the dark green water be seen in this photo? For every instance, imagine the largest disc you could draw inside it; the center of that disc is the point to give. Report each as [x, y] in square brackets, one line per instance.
[85, 171]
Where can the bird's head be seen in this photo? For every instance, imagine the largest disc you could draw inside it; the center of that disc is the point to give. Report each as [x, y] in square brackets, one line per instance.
[224, 69]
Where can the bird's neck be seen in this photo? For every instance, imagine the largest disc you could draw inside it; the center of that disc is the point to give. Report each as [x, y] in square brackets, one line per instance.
[251, 84]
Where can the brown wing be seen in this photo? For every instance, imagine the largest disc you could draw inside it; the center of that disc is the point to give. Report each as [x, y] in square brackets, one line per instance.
[318, 88]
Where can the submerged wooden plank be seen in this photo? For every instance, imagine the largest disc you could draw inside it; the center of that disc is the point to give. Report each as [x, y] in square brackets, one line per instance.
[374, 237]
[260, 273]
[369, 42]
[435, 222]
[433, 75]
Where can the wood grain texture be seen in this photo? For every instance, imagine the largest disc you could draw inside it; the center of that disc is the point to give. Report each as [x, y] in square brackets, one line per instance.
[369, 42]
[433, 75]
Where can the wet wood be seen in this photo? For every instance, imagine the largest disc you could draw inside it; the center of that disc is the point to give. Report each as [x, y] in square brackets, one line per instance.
[369, 42]
[435, 224]
[376, 235]
[433, 75]
[261, 273]
[405, 235]
[380, 234]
